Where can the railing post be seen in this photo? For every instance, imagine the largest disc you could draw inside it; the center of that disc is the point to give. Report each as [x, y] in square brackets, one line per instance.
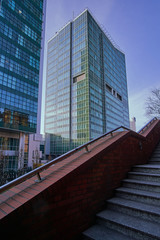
[39, 178]
[86, 147]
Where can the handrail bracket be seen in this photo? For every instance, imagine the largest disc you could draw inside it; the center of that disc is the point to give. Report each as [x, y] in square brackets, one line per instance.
[40, 179]
[87, 150]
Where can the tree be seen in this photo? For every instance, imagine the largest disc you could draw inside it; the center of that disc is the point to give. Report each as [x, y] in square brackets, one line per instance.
[153, 104]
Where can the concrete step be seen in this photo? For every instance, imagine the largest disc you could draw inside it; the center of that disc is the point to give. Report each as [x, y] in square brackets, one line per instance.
[154, 161]
[139, 196]
[147, 168]
[157, 148]
[156, 154]
[129, 225]
[100, 232]
[142, 185]
[133, 208]
[144, 176]
[134, 212]
[157, 151]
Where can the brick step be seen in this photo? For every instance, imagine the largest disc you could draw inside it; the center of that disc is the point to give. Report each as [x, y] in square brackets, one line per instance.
[147, 168]
[133, 208]
[142, 185]
[144, 176]
[139, 196]
[100, 232]
[131, 226]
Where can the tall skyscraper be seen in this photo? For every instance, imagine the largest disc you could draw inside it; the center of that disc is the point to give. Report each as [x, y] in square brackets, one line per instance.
[86, 87]
[21, 53]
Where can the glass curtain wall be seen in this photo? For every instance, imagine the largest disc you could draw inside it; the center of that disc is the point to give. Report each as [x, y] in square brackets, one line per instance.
[117, 113]
[57, 114]
[108, 83]
[86, 92]
[80, 83]
[20, 44]
[96, 79]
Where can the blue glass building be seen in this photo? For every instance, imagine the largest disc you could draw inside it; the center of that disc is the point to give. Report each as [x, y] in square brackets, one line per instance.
[21, 24]
[86, 88]
[20, 48]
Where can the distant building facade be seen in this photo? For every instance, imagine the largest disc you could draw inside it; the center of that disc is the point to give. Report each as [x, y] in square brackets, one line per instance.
[21, 54]
[133, 124]
[86, 87]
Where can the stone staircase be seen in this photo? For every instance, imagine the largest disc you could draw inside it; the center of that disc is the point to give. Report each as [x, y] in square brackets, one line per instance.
[134, 212]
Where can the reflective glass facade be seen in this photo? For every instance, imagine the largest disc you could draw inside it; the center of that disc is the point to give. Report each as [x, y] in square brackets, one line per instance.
[107, 82]
[20, 45]
[86, 87]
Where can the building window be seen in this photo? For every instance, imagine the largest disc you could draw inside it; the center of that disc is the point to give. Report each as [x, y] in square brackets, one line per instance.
[79, 78]
[119, 97]
[108, 88]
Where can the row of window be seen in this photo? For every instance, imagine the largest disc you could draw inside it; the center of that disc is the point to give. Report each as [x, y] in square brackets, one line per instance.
[17, 68]
[9, 143]
[96, 100]
[113, 92]
[96, 120]
[98, 129]
[20, 25]
[18, 53]
[95, 106]
[19, 39]
[61, 85]
[112, 101]
[62, 36]
[111, 70]
[96, 113]
[107, 46]
[113, 83]
[22, 13]
[13, 113]
[79, 54]
[113, 112]
[32, 8]
[17, 84]
[79, 47]
[17, 101]
[108, 69]
[57, 130]
[114, 120]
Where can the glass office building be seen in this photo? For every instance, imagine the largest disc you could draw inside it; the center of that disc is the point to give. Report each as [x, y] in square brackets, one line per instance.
[20, 48]
[21, 44]
[86, 87]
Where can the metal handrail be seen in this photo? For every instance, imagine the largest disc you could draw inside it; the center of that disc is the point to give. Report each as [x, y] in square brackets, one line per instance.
[147, 125]
[38, 170]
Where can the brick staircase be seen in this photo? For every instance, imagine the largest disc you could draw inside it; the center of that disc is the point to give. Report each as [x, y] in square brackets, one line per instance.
[60, 200]
[134, 212]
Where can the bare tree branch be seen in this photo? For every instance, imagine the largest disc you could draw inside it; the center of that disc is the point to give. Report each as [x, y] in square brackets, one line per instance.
[153, 103]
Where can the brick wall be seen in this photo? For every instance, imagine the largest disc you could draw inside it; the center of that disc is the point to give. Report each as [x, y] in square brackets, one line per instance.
[68, 207]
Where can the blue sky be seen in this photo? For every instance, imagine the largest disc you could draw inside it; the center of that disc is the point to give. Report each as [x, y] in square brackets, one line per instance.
[135, 26]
